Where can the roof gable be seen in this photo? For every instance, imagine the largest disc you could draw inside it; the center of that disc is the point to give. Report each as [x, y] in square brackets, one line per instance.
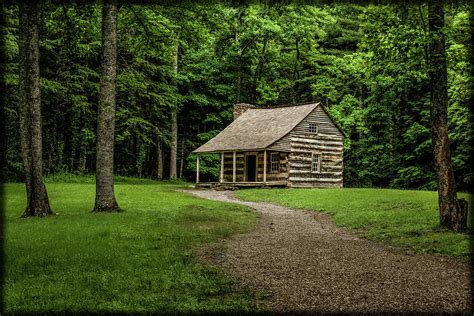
[258, 128]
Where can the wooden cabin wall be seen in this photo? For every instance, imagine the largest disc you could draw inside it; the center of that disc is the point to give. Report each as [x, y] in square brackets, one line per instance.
[239, 167]
[318, 116]
[282, 175]
[328, 142]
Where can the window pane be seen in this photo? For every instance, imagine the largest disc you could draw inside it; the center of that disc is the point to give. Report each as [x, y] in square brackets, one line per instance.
[313, 128]
[274, 161]
[315, 163]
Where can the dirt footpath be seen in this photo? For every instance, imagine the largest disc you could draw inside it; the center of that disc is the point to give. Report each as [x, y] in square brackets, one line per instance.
[306, 264]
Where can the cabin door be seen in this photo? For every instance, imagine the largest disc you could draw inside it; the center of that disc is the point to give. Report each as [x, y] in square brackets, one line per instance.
[251, 168]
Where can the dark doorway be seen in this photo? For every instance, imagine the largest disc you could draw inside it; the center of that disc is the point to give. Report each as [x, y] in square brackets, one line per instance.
[251, 168]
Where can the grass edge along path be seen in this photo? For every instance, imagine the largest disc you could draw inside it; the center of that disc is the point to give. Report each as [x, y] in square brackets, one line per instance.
[140, 260]
[403, 218]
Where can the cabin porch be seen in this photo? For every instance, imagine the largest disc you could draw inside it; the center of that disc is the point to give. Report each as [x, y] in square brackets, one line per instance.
[268, 184]
[257, 168]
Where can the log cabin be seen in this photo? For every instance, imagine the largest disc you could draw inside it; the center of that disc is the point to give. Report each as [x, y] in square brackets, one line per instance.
[293, 146]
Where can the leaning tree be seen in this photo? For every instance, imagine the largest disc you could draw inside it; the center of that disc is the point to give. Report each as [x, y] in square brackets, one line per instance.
[105, 196]
[452, 212]
[30, 110]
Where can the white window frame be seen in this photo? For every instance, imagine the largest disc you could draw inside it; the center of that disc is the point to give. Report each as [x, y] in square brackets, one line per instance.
[275, 162]
[316, 165]
[313, 128]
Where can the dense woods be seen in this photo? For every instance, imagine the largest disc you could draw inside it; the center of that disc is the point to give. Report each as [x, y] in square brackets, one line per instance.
[181, 69]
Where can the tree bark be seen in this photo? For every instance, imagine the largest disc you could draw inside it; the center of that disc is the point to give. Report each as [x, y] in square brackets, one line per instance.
[159, 160]
[105, 196]
[174, 123]
[452, 214]
[30, 111]
[181, 164]
[238, 88]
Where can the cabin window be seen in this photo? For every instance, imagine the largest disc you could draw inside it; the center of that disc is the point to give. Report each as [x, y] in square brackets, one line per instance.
[315, 163]
[313, 128]
[274, 162]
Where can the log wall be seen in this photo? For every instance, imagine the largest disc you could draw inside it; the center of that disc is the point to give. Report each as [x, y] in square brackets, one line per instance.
[328, 142]
[281, 175]
[239, 167]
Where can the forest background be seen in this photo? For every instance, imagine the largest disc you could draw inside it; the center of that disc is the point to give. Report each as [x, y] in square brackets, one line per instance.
[189, 64]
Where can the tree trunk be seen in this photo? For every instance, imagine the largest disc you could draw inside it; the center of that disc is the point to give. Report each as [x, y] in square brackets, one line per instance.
[105, 196]
[259, 69]
[82, 157]
[181, 164]
[452, 214]
[174, 124]
[159, 160]
[30, 111]
[238, 88]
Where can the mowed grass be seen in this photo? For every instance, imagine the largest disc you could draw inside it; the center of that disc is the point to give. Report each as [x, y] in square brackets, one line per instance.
[403, 218]
[140, 260]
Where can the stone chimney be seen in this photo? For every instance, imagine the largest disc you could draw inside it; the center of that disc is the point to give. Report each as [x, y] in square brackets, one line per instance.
[240, 108]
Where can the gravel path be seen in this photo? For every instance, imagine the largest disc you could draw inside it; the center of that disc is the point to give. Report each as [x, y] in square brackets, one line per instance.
[306, 264]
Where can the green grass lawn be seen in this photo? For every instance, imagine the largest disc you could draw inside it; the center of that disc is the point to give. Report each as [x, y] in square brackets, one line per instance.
[140, 260]
[403, 218]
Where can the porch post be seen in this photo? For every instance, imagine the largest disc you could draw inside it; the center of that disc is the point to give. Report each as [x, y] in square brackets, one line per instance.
[197, 168]
[221, 178]
[265, 166]
[233, 166]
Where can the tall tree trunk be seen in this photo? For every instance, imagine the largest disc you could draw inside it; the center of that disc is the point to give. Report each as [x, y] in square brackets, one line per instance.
[238, 88]
[452, 215]
[82, 157]
[181, 164]
[174, 123]
[30, 111]
[259, 70]
[159, 160]
[105, 196]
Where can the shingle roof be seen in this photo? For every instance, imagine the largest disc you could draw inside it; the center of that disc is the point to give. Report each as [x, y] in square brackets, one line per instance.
[258, 128]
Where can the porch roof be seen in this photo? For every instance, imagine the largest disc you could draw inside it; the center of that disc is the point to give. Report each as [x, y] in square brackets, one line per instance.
[257, 128]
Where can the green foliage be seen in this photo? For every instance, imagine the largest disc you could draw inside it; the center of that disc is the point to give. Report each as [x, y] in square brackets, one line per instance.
[403, 218]
[209, 166]
[366, 64]
[140, 260]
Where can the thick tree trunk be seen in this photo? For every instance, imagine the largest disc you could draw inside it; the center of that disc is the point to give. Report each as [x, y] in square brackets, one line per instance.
[105, 196]
[159, 160]
[174, 124]
[30, 111]
[452, 215]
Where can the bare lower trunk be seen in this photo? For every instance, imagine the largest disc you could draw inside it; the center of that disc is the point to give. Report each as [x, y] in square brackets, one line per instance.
[174, 144]
[181, 164]
[452, 214]
[82, 158]
[159, 160]
[30, 112]
[174, 126]
[105, 196]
